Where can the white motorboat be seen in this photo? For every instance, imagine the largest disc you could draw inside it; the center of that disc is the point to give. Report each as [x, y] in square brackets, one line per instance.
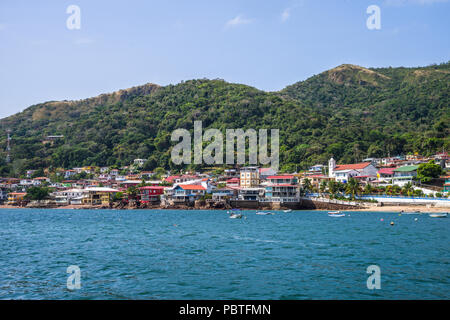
[287, 211]
[336, 214]
[235, 214]
[262, 213]
[410, 212]
[438, 215]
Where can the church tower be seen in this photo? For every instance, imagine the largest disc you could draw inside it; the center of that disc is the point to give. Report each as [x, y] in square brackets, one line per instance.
[331, 167]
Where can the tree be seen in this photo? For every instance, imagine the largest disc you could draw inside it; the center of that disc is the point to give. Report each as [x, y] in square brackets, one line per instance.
[37, 193]
[143, 183]
[132, 192]
[333, 187]
[368, 189]
[159, 172]
[118, 196]
[427, 171]
[38, 173]
[408, 189]
[323, 186]
[352, 187]
[307, 185]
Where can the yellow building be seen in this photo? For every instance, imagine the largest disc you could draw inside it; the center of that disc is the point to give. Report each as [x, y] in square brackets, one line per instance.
[250, 177]
[89, 169]
[99, 196]
[16, 197]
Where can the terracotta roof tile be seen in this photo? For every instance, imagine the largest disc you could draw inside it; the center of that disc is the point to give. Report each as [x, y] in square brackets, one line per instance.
[356, 166]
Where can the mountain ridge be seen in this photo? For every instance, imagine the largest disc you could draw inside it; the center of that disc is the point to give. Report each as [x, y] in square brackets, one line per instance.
[349, 112]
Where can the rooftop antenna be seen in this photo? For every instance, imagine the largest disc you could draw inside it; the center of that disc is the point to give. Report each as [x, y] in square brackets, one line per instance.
[8, 146]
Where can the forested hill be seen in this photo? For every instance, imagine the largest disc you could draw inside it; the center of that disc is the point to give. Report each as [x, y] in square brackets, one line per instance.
[348, 112]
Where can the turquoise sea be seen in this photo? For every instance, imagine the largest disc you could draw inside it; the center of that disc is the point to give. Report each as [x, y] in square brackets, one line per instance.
[164, 254]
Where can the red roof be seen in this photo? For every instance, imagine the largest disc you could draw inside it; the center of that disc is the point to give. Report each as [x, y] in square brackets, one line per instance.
[171, 178]
[281, 177]
[386, 171]
[233, 180]
[356, 166]
[191, 187]
[152, 188]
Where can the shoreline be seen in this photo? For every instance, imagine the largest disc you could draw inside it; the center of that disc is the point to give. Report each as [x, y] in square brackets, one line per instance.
[397, 209]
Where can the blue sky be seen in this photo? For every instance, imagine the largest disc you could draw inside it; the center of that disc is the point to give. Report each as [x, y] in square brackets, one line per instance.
[266, 44]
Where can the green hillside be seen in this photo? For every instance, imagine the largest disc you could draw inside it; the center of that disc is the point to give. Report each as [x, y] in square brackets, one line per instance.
[348, 112]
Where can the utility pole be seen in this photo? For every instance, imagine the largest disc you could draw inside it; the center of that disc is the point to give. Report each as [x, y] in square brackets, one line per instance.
[8, 146]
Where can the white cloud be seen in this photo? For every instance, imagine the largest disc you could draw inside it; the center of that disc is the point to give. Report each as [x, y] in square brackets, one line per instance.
[237, 21]
[408, 2]
[286, 14]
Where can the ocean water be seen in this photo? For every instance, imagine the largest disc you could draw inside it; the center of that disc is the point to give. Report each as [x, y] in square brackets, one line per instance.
[163, 254]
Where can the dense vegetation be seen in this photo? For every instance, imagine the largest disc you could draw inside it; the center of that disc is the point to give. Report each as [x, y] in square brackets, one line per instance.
[348, 112]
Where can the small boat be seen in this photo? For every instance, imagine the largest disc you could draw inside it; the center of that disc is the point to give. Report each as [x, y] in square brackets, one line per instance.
[262, 213]
[287, 211]
[438, 215]
[235, 214]
[410, 212]
[336, 214]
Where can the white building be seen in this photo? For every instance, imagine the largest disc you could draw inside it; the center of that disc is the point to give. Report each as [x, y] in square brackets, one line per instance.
[317, 168]
[71, 196]
[139, 162]
[344, 172]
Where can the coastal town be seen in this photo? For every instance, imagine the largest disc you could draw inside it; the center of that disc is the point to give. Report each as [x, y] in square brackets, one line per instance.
[400, 180]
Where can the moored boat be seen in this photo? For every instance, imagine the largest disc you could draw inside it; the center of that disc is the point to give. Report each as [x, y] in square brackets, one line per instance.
[235, 214]
[287, 211]
[410, 212]
[336, 214]
[438, 215]
[262, 213]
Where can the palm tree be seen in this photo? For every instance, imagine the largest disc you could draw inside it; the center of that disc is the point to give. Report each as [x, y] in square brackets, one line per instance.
[408, 189]
[333, 187]
[352, 188]
[396, 189]
[307, 185]
[132, 192]
[340, 186]
[388, 190]
[323, 186]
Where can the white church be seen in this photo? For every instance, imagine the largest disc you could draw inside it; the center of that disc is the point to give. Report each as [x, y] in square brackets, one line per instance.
[344, 172]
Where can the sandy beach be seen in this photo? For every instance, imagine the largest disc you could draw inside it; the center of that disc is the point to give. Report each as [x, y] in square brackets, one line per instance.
[422, 209]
